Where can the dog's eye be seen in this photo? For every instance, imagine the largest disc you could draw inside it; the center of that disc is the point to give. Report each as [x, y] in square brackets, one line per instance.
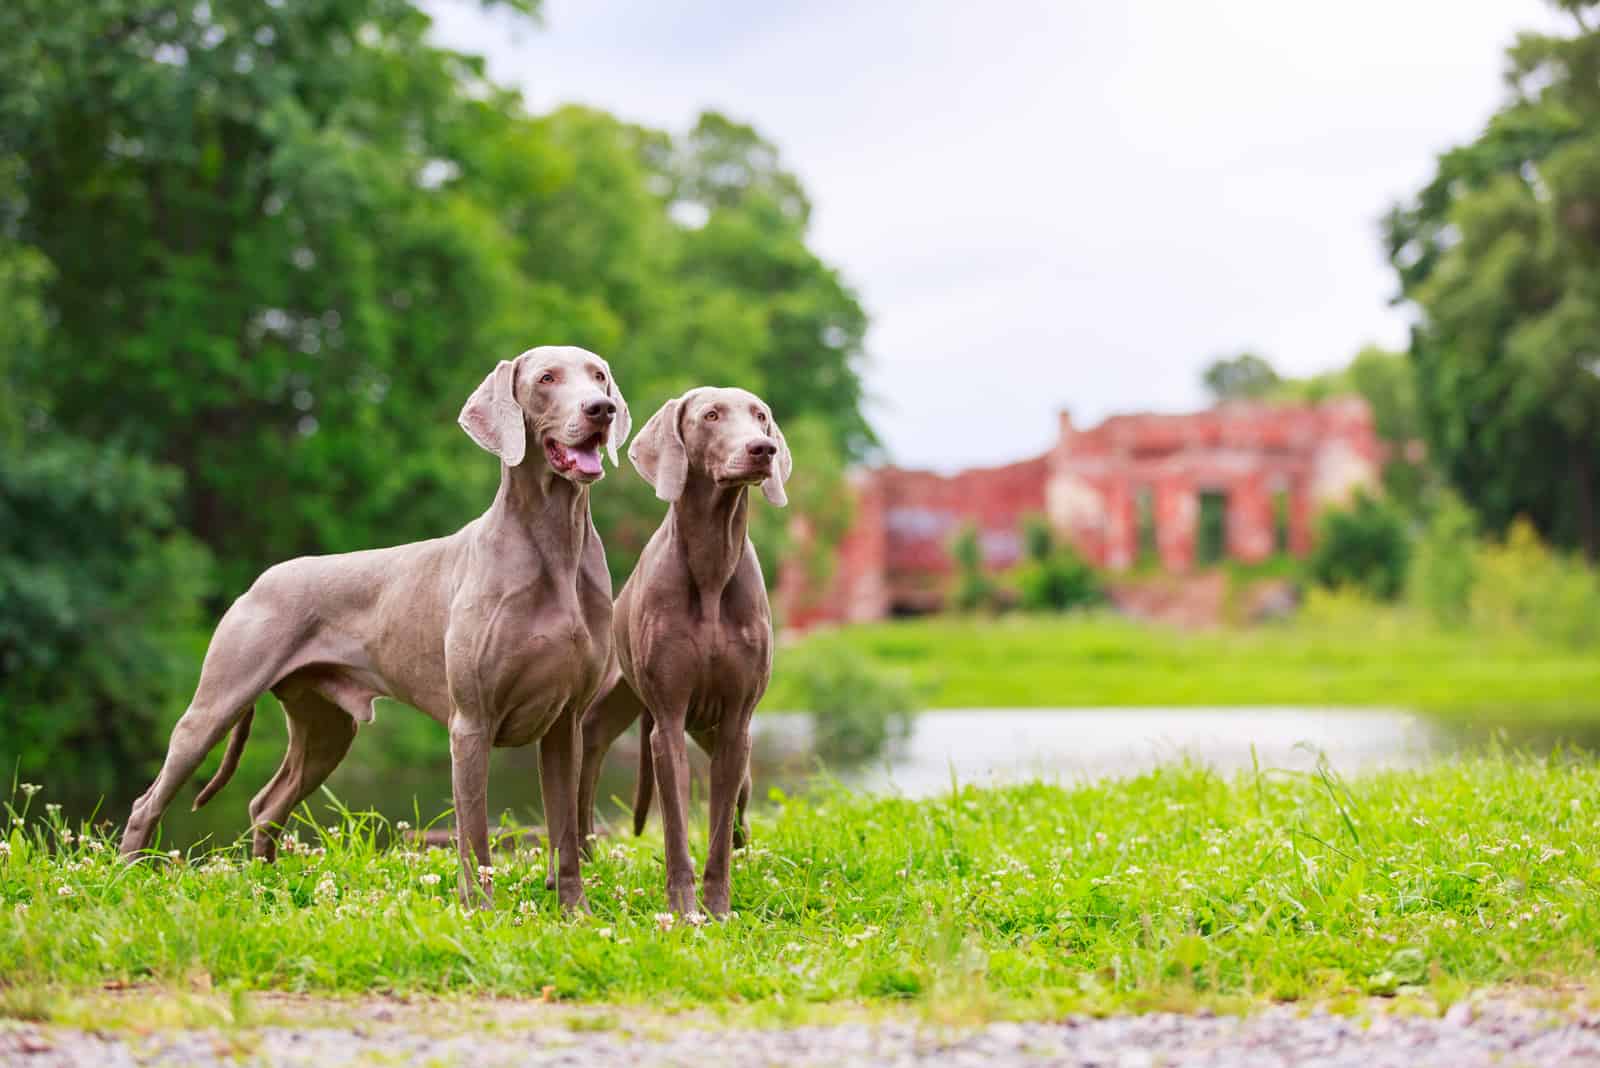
[712, 416]
[600, 376]
[761, 417]
[547, 378]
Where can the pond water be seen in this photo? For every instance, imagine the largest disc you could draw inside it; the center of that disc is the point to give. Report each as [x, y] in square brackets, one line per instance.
[976, 746]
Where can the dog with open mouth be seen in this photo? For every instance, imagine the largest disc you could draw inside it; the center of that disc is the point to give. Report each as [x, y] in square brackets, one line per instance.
[500, 631]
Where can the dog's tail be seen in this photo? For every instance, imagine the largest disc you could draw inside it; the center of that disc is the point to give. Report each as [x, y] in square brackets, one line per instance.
[230, 757]
[645, 783]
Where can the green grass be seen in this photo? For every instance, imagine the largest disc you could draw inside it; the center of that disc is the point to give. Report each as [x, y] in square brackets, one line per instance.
[1376, 657]
[1174, 889]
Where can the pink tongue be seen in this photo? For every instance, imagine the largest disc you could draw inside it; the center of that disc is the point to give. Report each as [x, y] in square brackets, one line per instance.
[586, 460]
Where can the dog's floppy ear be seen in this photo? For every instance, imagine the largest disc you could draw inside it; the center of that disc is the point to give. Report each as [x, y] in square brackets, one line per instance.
[782, 466]
[622, 422]
[493, 418]
[658, 453]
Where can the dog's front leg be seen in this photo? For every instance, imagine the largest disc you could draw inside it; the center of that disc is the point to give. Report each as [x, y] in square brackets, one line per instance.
[558, 752]
[469, 782]
[670, 756]
[729, 760]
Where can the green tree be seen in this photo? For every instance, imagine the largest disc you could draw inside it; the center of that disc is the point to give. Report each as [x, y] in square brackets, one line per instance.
[1242, 377]
[284, 241]
[1365, 546]
[1053, 577]
[1500, 254]
[97, 587]
[268, 248]
[973, 588]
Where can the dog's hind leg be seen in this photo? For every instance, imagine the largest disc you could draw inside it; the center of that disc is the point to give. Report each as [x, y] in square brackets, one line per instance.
[243, 661]
[320, 733]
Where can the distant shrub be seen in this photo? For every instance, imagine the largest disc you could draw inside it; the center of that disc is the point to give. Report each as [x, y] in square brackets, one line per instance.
[1522, 585]
[974, 589]
[1053, 578]
[857, 708]
[1444, 568]
[1365, 546]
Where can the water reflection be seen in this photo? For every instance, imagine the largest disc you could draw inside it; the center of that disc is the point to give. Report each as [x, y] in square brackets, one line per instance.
[979, 746]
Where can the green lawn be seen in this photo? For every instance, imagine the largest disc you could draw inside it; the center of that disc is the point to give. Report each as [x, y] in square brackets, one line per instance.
[1379, 658]
[1173, 889]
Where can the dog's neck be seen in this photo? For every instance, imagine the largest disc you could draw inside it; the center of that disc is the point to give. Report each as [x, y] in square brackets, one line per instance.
[710, 524]
[538, 506]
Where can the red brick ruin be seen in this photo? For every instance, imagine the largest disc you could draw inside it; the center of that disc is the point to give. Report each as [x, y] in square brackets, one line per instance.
[1240, 482]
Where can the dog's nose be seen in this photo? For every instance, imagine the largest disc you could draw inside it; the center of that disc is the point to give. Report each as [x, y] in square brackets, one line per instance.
[600, 408]
[761, 448]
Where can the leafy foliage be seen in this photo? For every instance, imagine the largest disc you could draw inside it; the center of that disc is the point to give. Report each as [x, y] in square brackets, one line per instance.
[973, 589]
[1520, 585]
[288, 239]
[1055, 578]
[1365, 546]
[97, 593]
[1500, 253]
[857, 708]
[1242, 377]
[1444, 569]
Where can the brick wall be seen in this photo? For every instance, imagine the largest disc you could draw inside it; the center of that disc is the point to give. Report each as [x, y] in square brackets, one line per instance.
[1243, 481]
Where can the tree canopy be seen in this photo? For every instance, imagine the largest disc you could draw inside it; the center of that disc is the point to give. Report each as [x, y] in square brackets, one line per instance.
[1245, 376]
[255, 256]
[1500, 255]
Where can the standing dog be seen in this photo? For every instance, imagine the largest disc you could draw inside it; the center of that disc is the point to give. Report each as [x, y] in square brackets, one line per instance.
[693, 630]
[501, 631]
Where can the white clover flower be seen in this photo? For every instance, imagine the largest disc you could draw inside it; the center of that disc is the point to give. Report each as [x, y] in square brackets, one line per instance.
[65, 890]
[402, 825]
[430, 879]
[5, 848]
[30, 788]
[665, 920]
[174, 854]
[21, 908]
[604, 932]
[486, 871]
[52, 810]
[327, 889]
[695, 919]
[94, 844]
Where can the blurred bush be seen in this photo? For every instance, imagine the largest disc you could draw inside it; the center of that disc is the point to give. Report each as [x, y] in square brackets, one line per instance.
[1365, 546]
[857, 709]
[1444, 567]
[1520, 584]
[1054, 578]
[974, 590]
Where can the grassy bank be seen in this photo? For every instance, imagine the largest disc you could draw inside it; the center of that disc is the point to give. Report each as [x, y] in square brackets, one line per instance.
[1172, 889]
[1366, 657]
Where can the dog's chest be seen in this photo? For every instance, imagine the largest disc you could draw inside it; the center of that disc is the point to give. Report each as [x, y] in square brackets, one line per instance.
[731, 664]
[547, 667]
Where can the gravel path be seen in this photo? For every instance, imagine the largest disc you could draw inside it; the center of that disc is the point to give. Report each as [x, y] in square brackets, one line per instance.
[1494, 1034]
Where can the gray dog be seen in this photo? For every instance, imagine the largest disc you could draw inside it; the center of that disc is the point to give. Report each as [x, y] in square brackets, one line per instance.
[693, 630]
[501, 631]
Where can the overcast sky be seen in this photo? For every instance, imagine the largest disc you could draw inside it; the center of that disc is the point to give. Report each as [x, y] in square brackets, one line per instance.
[1060, 205]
